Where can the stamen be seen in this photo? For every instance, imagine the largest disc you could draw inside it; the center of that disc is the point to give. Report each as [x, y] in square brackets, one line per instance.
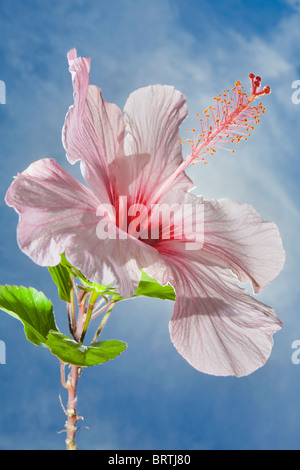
[230, 120]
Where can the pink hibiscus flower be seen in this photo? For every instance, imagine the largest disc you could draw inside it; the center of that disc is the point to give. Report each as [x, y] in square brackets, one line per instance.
[135, 160]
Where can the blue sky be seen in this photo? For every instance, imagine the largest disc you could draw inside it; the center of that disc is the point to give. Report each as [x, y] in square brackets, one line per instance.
[150, 398]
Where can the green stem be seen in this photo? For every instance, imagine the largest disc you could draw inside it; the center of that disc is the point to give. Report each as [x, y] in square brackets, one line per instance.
[92, 301]
[73, 312]
[110, 306]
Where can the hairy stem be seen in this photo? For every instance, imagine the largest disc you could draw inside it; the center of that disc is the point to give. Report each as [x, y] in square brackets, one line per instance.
[78, 330]
[71, 411]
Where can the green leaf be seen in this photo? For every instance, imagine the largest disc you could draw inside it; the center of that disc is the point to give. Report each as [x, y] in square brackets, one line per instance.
[68, 266]
[32, 308]
[71, 352]
[150, 287]
[62, 278]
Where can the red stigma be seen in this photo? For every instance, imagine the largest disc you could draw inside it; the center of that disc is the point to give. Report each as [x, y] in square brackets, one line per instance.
[255, 86]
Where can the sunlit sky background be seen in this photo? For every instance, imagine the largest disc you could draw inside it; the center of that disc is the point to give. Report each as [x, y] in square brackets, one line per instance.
[150, 397]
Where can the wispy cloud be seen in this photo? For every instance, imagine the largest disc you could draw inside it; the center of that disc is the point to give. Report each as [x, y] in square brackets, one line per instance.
[133, 44]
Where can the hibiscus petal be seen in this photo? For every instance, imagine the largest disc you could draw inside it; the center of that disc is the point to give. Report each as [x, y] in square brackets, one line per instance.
[153, 116]
[216, 326]
[58, 214]
[236, 234]
[52, 206]
[93, 131]
[233, 236]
